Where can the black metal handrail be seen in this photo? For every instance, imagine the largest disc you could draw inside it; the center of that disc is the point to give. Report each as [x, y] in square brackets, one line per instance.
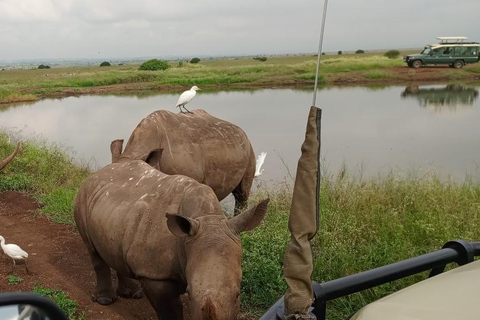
[458, 251]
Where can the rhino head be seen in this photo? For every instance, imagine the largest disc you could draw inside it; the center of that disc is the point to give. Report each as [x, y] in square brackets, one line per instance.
[213, 255]
[7, 160]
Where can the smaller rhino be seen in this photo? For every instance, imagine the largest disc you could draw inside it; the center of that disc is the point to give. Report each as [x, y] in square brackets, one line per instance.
[167, 231]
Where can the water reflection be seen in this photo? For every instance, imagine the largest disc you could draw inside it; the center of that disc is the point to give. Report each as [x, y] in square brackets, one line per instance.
[370, 130]
[449, 97]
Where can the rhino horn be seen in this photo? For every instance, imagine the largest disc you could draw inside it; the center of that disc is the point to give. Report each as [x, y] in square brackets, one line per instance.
[116, 149]
[208, 311]
[249, 219]
[7, 160]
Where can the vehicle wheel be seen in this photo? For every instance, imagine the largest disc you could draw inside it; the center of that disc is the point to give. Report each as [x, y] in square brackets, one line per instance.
[417, 63]
[409, 64]
[458, 64]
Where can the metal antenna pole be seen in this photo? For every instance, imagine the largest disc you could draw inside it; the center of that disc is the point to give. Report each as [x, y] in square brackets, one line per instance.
[319, 52]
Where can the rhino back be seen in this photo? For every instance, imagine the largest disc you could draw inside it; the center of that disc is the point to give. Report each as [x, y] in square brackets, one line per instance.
[210, 150]
[125, 219]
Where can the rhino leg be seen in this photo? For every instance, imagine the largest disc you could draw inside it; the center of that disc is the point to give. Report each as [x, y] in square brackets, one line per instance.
[104, 292]
[164, 296]
[241, 194]
[128, 288]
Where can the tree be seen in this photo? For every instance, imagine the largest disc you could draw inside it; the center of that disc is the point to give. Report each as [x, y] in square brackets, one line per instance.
[105, 64]
[359, 51]
[340, 52]
[43, 66]
[195, 60]
[154, 64]
[392, 54]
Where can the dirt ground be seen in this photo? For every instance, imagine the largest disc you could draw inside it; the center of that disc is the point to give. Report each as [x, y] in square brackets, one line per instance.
[57, 260]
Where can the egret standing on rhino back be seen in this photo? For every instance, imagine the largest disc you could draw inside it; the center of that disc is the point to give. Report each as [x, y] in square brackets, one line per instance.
[186, 96]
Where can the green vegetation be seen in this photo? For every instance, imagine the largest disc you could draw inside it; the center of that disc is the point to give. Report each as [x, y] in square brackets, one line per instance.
[43, 66]
[67, 305]
[392, 54]
[45, 171]
[105, 64]
[154, 65]
[13, 280]
[339, 52]
[359, 51]
[364, 223]
[195, 60]
[30, 85]
[261, 59]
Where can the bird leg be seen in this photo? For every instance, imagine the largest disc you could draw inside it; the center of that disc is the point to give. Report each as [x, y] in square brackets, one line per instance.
[180, 107]
[186, 109]
[26, 267]
[13, 266]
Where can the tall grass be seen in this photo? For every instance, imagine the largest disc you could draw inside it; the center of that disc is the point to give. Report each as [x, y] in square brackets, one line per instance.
[364, 224]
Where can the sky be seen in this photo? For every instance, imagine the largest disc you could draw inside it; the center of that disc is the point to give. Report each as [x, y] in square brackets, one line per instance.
[97, 29]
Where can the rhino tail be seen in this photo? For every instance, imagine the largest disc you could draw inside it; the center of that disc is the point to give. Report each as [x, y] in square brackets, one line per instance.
[7, 160]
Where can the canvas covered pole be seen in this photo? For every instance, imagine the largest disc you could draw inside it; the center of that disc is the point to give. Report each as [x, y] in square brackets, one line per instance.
[303, 223]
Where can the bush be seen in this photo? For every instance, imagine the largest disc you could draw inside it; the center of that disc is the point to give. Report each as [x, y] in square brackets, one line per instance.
[359, 51]
[262, 59]
[195, 60]
[154, 64]
[105, 64]
[392, 54]
[340, 52]
[43, 66]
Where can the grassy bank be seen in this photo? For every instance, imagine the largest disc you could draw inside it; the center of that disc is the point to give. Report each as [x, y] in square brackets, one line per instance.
[28, 85]
[364, 223]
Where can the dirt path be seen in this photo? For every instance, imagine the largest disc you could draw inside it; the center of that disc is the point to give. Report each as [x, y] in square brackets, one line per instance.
[57, 259]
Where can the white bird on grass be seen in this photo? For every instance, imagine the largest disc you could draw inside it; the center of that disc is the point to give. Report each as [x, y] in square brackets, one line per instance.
[14, 252]
[186, 96]
[259, 163]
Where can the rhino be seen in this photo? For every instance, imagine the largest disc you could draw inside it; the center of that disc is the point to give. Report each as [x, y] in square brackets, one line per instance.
[7, 160]
[168, 232]
[210, 150]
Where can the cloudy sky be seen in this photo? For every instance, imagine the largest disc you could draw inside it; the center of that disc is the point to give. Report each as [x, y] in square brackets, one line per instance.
[38, 29]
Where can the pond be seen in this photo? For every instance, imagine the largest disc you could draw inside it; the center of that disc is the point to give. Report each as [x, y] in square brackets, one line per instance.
[369, 130]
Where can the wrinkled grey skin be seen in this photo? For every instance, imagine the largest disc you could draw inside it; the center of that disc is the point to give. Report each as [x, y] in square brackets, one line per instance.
[7, 160]
[210, 150]
[167, 231]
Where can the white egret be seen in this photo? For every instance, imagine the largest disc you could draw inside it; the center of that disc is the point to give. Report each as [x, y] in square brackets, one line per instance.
[14, 252]
[258, 166]
[186, 96]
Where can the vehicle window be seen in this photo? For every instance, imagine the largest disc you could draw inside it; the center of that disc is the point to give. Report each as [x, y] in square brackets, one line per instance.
[426, 51]
[438, 52]
[446, 51]
[463, 51]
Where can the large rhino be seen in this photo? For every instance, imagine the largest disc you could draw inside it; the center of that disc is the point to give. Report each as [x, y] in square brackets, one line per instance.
[210, 150]
[7, 160]
[169, 232]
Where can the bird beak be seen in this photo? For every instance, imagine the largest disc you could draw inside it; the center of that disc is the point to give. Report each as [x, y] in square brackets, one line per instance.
[199, 89]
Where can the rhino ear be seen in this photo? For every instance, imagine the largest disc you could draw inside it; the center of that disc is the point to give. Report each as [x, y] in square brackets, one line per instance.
[116, 147]
[251, 218]
[181, 226]
[153, 158]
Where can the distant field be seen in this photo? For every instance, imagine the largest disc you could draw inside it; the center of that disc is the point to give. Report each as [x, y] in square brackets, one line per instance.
[28, 85]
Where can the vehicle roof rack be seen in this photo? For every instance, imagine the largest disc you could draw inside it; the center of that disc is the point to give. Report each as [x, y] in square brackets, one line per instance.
[452, 39]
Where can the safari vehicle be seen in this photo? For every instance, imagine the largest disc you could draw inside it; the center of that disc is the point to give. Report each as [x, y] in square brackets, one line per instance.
[452, 51]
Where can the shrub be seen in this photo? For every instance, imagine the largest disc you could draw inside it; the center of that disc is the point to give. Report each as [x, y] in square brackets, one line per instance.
[195, 60]
[323, 53]
[262, 59]
[154, 64]
[392, 54]
[43, 66]
[340, 52]
[105, 64]
[359, 51]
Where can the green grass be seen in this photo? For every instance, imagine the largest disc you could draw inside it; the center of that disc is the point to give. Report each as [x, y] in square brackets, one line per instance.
[364, 224]
[13, 280]
[67, 305]
[45, 171]
[24, 85]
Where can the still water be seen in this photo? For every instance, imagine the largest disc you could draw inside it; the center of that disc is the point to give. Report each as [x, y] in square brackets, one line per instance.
[371, 131]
